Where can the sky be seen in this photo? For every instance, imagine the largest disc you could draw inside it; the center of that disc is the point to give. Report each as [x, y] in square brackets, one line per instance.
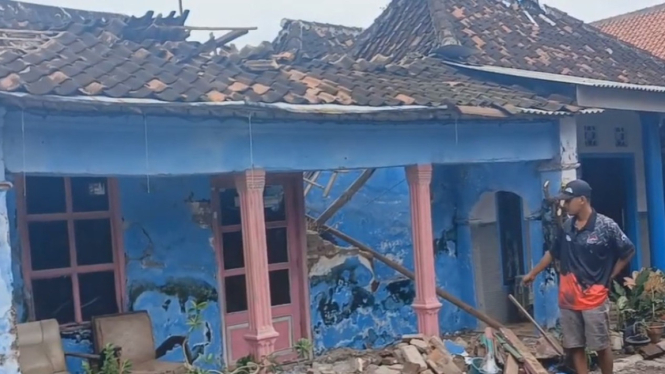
[267, 14]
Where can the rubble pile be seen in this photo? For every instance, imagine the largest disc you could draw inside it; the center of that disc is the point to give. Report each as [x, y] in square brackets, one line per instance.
[416, 354]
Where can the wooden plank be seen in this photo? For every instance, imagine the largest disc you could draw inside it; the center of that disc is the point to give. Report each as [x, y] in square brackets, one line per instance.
[331, 183]
[550, 340]
[511, 365]
[489, 321]
[509, 349]
[229, 37]
[531, 364]
[310, 179]
[345, 197]
[214, 28]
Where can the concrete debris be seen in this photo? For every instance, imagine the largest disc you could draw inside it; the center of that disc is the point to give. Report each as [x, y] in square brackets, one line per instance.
[416, 354]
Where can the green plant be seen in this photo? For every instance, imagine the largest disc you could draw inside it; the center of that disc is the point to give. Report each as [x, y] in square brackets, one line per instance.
[195, 315]
[111, 363]
[641, 298]
[303, 348]
[244, 365]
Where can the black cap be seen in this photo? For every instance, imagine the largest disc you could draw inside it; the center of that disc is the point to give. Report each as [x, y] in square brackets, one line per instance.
[573, 189]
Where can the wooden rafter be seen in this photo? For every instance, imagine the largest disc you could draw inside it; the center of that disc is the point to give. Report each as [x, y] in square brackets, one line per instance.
[345, 197]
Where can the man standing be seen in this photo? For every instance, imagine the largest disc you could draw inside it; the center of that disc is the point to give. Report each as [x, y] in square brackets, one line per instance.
[592, 250]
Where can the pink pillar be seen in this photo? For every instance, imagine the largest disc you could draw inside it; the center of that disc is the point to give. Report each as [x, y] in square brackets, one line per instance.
[261, 336]
[426, 303]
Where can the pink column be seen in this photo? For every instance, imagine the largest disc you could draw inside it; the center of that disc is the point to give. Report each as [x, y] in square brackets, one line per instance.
[261, 336]
[426, 303]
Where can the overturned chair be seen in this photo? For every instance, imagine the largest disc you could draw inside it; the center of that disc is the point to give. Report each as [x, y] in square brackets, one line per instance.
[40, 349]
[132, 333]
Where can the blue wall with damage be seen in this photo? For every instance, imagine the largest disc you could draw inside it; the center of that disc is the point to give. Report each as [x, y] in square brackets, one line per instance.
[355, 303]
[170, 260]
[170, 263]
[355, 292]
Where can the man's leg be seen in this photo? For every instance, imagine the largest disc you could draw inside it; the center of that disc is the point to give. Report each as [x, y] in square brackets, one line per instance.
[597, 333]
[606, 360]
[574, 340]
[580, 360]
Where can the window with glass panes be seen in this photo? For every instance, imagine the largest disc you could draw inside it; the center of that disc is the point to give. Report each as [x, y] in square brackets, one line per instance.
[70, 261]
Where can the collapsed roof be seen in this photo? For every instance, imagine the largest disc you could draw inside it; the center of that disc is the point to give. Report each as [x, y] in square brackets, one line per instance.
[48, 51]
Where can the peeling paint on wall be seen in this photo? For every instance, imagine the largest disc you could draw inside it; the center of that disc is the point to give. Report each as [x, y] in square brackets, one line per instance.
[201, 210]
[355, 302]
[379, 215]
[169, 263]
[171, 224]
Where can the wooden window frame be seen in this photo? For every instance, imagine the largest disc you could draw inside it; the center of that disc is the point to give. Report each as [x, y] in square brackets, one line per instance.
[296, 226]
[219, 230]
[74, 270]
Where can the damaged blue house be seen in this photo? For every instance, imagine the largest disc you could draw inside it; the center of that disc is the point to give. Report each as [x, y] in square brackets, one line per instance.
[151, 174]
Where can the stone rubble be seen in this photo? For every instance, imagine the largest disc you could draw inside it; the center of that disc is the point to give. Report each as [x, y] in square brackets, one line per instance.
[416, 354]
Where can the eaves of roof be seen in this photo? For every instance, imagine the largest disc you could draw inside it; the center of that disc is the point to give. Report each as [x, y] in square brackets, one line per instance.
[558, 78]
[138, 105]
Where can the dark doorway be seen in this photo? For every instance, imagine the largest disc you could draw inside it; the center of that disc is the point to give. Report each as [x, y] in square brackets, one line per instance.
[610, 183]
[511, 238]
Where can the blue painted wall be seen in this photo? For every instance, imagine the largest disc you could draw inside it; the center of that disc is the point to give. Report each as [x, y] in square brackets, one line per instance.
[376, 298]
[356, 305]
[42, 144]
[170, 260]
[170, 263]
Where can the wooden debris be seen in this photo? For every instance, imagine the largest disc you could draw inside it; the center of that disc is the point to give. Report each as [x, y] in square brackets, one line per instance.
[552, 342]
[511, 367]
[531, 364]
[440, 360]
[489, 321]
[509, 349]
[345, 197]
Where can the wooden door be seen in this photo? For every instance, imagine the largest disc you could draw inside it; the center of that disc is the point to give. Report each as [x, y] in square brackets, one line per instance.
[283, 264]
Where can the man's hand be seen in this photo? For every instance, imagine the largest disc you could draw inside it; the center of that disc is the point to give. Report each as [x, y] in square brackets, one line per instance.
[544, 263]
[528, 279]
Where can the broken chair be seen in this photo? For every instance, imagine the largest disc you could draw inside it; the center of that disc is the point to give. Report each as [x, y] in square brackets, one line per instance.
[40, 349]
[132, 333]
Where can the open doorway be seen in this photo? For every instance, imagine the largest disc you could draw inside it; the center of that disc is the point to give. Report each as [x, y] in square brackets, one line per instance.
[612, 180]
[511, 240]
[499, 230]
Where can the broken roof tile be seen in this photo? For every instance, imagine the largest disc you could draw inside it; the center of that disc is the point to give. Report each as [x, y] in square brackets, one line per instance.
[144, 65]
[408, 100]
[314, 39]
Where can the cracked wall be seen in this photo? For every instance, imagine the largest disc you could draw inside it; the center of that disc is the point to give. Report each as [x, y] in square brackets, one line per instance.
[170, 262]
[348, 295]
[355, 305]
[355, 302]
[377, 298]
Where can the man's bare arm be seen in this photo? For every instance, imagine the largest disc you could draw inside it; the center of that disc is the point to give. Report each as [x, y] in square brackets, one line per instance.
[542, 265]
[624, 249]
[621, 264]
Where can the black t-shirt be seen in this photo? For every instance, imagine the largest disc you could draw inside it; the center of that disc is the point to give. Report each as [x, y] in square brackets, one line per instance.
[587, 258]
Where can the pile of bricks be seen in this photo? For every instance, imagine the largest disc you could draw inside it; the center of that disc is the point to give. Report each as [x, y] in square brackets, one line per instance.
[416, 354]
